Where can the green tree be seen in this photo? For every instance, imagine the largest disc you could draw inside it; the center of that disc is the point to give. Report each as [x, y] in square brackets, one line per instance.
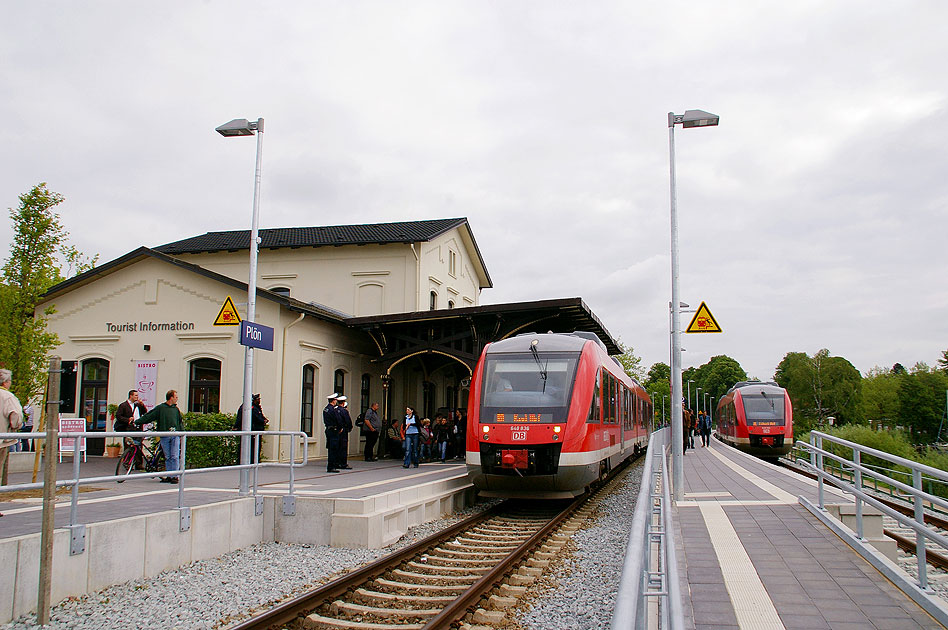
[37, 256]
[922, 403]
[629, 362]
[820, 387]
[715, 377]
[658, 372]
[943, 361]
[879, 403]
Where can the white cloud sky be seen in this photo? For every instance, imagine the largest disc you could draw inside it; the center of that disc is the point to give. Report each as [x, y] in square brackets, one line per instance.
[814, 216]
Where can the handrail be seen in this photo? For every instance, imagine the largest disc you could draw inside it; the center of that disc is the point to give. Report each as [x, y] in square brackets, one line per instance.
[652, 525]
[77, 529]
[918, 496]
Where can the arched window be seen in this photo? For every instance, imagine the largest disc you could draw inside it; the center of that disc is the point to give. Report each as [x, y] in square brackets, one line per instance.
[308, 396]
[433, 302]
[204, 386]
[450, 303]
[366, 392]
[339, 382]
[93, 404]
[284, 291]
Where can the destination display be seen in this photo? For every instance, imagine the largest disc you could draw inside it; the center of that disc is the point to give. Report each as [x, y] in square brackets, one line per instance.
[524, 418]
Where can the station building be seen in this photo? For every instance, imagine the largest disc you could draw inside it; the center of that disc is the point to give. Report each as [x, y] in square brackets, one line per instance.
[386, 313]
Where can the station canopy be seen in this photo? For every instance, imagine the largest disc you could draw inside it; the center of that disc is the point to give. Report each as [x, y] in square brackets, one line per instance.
[460, 334]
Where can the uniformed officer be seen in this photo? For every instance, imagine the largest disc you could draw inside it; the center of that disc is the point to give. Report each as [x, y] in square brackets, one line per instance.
[331, 422]
[345, 424]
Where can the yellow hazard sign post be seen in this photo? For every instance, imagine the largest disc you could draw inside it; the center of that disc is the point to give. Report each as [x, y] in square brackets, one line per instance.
[228, 315]
[703, 321]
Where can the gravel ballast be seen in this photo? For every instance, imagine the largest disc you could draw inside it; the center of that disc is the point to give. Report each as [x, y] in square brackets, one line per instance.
[215, 593]
[579, 592]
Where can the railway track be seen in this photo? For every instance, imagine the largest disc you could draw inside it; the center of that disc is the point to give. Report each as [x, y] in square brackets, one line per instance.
[471, 572]
[935, 555]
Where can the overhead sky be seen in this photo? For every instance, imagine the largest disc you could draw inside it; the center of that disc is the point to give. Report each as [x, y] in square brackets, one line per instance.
[815, 216]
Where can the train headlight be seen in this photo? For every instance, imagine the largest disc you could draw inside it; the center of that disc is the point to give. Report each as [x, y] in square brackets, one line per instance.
[486, 429]
[556, 432]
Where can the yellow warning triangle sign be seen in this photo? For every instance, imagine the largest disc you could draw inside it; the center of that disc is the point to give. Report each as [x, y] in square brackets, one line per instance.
[703, 321]
[228, 315]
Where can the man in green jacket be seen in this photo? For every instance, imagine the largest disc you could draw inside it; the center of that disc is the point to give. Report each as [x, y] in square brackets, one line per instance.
[167, 417]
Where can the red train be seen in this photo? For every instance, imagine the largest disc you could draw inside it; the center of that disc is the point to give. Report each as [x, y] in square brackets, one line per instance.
[549, 414]
[757, 418]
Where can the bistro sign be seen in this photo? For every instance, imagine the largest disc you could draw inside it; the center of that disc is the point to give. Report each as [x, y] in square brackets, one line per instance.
[148, 326]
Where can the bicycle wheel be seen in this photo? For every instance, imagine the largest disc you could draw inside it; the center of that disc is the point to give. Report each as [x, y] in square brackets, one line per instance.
[125, 463]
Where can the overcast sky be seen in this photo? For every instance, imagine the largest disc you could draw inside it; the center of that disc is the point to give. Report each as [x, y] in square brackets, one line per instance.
[815, 216]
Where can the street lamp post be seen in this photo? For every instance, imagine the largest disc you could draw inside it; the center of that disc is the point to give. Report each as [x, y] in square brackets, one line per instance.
[689, 392]
[691, 118]
[698, 398]
[234, 128]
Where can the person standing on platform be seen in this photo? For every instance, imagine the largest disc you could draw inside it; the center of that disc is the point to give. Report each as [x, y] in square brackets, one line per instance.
[460, 425]
[443, 431]
[411, 438]
[331, 424]
[705, 430]
[685, 427]
[424, 439]
[372, 425]
[167, 417]
[345, 423]
[11, 416]
[258, 422]
[27, 445]
[126, 415]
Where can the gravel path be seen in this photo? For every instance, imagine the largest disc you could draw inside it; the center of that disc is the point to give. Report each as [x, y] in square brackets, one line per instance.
[579, 592]
[212, 593]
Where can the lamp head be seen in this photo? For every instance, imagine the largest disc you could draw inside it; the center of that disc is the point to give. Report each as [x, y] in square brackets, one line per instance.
[699, 118]
[237, 127]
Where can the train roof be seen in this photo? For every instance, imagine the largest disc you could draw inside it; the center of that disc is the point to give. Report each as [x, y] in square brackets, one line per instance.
[763, 385]
[546, 342]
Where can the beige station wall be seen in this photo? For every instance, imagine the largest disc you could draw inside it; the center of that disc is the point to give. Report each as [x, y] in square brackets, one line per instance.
[331, 276]
[154, 291]
[461, 287]
[361, 280]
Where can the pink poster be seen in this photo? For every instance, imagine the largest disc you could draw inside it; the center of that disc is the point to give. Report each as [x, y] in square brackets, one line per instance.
[71, 425]
[146, 381]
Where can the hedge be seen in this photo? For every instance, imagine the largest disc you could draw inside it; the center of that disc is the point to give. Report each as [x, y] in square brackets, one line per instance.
[208, 452]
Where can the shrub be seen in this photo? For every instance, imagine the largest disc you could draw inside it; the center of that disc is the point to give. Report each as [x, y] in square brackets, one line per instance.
[207, 452]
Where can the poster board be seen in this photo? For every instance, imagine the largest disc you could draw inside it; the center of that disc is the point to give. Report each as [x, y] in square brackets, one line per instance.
[68, 445]
[146, 382]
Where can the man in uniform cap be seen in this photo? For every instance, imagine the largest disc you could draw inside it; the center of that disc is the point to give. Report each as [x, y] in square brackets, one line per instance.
[331, 423]
[345, 424]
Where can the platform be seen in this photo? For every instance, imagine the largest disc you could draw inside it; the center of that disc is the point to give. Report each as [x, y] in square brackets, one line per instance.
[134, 530]
[752, 557]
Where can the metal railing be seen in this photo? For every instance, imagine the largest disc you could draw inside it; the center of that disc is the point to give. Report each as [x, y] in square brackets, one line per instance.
[77, 529]
[649, 589]
[914, 492]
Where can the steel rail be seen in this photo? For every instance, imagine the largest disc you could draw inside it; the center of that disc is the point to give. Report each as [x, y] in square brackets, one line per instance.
[932, 519]
[453, 611]
[932, 557]
[290, 609]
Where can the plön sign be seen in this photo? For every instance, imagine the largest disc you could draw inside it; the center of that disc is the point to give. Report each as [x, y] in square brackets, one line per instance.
[256, 335]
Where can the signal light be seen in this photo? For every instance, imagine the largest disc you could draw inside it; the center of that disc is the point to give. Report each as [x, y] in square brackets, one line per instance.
[556, 429]
[486, 429]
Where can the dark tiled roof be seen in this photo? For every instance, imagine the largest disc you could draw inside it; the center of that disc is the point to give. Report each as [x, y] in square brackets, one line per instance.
[404, 232]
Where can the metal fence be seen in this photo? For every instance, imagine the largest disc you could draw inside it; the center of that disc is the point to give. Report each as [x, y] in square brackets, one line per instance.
[649, 591]
[858, 471]
[77, 530]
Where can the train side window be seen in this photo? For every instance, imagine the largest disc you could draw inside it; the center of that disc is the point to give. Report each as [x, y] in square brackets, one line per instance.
[593, 417]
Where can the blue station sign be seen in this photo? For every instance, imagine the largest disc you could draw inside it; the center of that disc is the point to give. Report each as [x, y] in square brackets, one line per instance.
[256, 335]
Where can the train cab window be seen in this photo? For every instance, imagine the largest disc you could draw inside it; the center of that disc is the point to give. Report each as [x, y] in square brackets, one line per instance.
[763, 410]
[522, 388]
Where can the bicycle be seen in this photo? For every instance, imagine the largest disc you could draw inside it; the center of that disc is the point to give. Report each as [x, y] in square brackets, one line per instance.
[153, 458]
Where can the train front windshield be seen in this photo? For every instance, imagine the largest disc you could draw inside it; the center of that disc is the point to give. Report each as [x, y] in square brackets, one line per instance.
[763, 410]
[524, 388]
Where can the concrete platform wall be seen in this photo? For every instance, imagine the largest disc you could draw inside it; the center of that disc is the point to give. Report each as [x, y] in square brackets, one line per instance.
[143, 546]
